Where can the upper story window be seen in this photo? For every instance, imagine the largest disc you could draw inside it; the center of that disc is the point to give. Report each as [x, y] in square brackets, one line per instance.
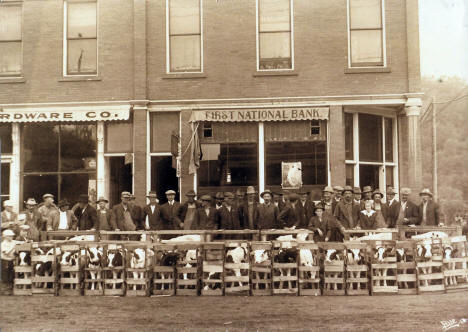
[184, 29]
[275, 38]
[80, 42]
[10, 39]
[366, 33]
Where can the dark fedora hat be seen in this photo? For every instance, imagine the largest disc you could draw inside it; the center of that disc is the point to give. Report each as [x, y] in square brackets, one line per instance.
[191, 193]
[267, 191]
[83, 198]
[367, 189]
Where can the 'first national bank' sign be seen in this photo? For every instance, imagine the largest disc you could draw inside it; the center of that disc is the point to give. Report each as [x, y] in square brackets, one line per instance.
[261, 115]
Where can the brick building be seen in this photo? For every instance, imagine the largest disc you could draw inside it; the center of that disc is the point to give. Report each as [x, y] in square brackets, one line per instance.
[93, 95]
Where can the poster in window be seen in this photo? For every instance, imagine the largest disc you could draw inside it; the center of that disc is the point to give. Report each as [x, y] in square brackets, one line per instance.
[291, 175]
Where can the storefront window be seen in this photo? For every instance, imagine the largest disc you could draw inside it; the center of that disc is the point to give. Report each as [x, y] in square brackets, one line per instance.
[5, 181]
[163, 177]
[5, 137]
[388, 139]
[162, 127]
[350, 175]
[58, 159]
[370, 137]
[349, 136]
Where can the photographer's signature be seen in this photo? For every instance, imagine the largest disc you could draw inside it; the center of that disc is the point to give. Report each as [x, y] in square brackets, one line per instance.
[449, 324]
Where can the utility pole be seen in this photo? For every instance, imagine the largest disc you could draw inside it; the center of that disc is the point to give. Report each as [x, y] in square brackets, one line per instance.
[434, 149]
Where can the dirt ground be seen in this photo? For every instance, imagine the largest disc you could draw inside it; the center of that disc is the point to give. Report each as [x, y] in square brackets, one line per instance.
[272, 313]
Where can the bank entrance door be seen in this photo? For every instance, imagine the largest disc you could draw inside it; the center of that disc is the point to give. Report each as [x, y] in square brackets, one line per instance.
[120, 178]
[163, 177]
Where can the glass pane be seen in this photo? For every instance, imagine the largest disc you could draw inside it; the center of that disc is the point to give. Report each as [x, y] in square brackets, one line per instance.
[5, 180]
[10, 58]
[184, 16]
[233, 132]
[120, 178]
[389, 176]
[10, 23]
[82, 20]
[163, 177]
[5, 137]
[388, 139]
[78, 147]
[350, 175]
[366, 46]
[162, 126]
[274, 15]
[312, 155]
[275, 45]
[185, 53]
[73, 185]
[37, 185]
[369, 176]
[365, 14]
[82, 56]
[370, 138]
[40, 148]
[119, 137]
[349, 137]
[225, 165]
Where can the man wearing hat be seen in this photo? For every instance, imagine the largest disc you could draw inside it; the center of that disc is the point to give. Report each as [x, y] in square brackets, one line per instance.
[152, 213]
[346, 215]
[138, 217]
[64, 220]
[380, 208]
[306, 207]
[240, 197]
[23, 233]
[247, 209]
[206, 217]
[278, 200]
[366, 196]
[404, 212]
[170, 212]
[9, 217]
[392, 206]
[7, 257]
[327, 195]
[290, 216]
[123, 215]
[357, 195]
[267, 214]
[229, 215]
[46, 211]
[337, 190]
[32, 218]
[219, 199]
[188, 210]
[104, 215]
[86, 214]
[321, 224]
[428, 210]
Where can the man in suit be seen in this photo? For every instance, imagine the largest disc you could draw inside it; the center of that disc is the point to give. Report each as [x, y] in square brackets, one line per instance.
[391, 202]
[104, 216]
[346, 215]
[228, 215]
[290, 216]
[366, 196]
[152, 213]
[267, 213]
[278, 200]
[86, 214]
[404, 212]
[137, 213]
[357, 195]
[337, 196]
[47, 210]
[170, 212]
[64, 220]
[219, 199]
[122, 214]
[428, 210]
[247, 209]
[206, 216]
[380, 208]
[327, 199]
[306, 208]
[188, 210]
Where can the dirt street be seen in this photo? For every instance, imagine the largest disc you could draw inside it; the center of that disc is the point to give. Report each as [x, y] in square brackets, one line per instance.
[343, 313]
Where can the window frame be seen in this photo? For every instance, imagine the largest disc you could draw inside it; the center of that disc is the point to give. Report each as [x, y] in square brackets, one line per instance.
[382, 64]
[291, 34]
[65, 39]
[355, 162]
[15, 3]
[168, 43]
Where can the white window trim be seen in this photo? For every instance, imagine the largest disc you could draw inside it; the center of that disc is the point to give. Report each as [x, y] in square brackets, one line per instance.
[356, 162]
[257, 25]
[384, 39]
[168, 45]
[21, 72]
[65, 40]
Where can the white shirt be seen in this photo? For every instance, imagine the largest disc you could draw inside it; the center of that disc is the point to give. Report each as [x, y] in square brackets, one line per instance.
[63, 224]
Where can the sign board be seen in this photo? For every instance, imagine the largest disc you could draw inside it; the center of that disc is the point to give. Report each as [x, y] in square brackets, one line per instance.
[262, 115]
[291, 175]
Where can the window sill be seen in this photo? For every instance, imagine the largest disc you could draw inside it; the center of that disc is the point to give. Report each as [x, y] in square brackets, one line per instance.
[12, 80]
[275, 73]
[367, 70]
[79, 78]
[183, 75]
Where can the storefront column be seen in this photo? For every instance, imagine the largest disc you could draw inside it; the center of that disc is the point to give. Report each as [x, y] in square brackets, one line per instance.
[101, 183]
[261, 157]
[410, 146]
[337, 146]
[15, 180]
[139, 153]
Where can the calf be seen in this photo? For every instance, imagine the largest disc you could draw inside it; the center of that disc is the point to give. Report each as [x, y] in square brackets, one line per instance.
[115, 259]
[424, 253]
[331, 257]
[24, 258]
[139, 259]
[237, 255]
[381, 254]
[44, 268]
[94, 261]
[354, 257]
[448, 252]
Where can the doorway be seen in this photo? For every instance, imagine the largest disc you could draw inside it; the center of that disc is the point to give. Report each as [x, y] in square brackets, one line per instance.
[369, 176]
[163, 177]
[120, 178]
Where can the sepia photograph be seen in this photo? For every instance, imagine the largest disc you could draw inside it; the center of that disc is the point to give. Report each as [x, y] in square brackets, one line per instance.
[234, 165]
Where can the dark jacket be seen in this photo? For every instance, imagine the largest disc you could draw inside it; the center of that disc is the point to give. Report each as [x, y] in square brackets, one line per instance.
[228, 219]
[203, 221]
[384, 210]
[266, 217]
[432, 214]
[368, 222]
[138, 216]
[170, 216]
[411, 213]
[290, 216]
[281, 205]
[118, 217]
[306, 212]
[33, 220]
[343, 219]
[87, 219]
[183, 210]
[154, 218]
[244, 215]
[325, 225]
[105, 225]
